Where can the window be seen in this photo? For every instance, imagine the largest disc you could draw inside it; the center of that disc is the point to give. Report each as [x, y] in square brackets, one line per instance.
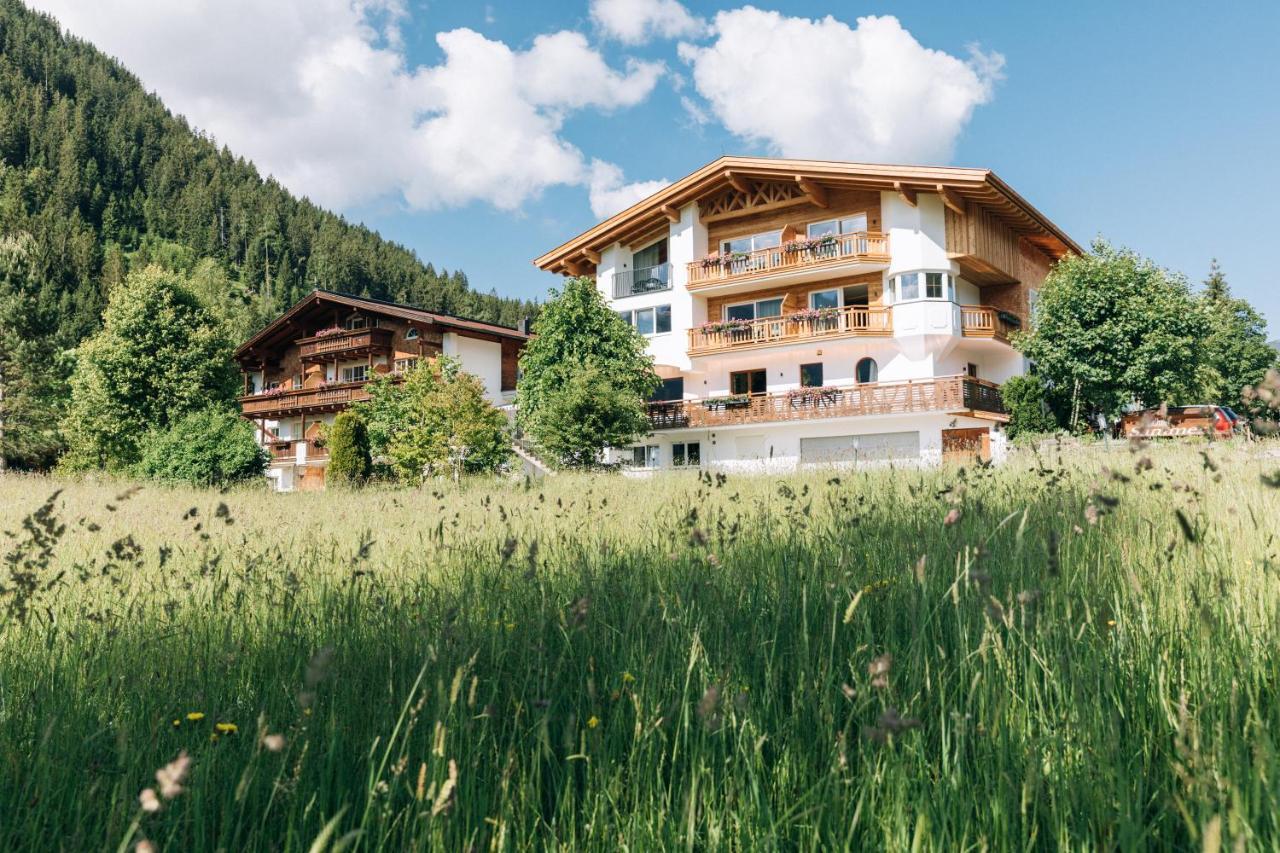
[972, 370]
[767, 240]
[649, 321]
[935, 285]
[686, 454]
[757, 310]
[402, 366]
[358, 373]
[357, 322]
[670, 389]
[271, 386]
[850, 225]
[296, 382]
[922, 285]
[811, 375]
[652, 255]
[411, 335]
[644, 456]
[908, 286]
[747, 382]
[819, 299]
[867, 371]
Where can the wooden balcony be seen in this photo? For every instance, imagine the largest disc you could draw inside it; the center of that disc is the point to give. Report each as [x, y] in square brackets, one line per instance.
[353, 342]
[979, 321]
[330, 398]
[864, 246]
[956, 395]
[851, 321]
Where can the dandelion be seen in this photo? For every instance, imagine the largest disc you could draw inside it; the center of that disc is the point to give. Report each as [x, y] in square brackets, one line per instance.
[273, 743]
[195, 716]
[593, 722]
[227, 728]
[627, 678]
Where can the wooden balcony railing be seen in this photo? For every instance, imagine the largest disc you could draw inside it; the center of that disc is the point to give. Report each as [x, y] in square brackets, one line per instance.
[953, 394]
[291, 449]
[749, 334]
[797, 254]
[323, 347]
[329, 398]
[979, 321]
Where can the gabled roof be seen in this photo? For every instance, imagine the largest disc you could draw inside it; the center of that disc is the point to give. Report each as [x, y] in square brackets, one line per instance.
[956, 185]
[284, 329]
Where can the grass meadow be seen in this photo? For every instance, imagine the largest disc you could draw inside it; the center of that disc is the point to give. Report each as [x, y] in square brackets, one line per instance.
[1079, 649]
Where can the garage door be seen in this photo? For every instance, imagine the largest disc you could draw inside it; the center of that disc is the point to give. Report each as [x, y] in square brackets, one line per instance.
[860, 448]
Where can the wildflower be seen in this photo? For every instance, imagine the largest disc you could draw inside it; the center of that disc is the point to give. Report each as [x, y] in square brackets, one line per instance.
[952, 517]
[177, 723]
[627, 678]
[708, 707]
[593, 722]
[227, 728]
[878, 669]
[144, 846]
[273, 743]
[149, 801]
[1111, 623]
[172, 775]
[195, 716]
[1091, 514]
[847, 691]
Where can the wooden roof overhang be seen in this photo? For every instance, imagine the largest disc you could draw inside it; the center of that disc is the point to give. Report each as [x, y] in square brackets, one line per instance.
[299, 320]
[957, 187]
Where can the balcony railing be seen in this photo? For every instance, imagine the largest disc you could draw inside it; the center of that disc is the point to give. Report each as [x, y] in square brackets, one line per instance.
[979, 321]
[768, 331]
[349, 342]
[953, 394]
[328, 398]
[642, 280]
[796, 254]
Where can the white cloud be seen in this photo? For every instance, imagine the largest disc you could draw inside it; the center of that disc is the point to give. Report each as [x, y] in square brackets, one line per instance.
[318, 93]
[610, 194]
[823, 89]
[636, 21]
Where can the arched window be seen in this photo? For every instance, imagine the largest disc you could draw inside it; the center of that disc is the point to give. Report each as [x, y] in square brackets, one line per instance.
[411, 335]
[867, 371]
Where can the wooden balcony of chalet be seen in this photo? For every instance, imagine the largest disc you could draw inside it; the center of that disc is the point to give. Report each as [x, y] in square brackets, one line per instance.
[820, 253]
[955, 395]
[980, 321]
[285, 403]
[734, 335]
[295, 450]
[346, 343]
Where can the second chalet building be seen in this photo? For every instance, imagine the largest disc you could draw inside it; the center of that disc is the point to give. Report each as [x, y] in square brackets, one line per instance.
[316, 359]
[812, 312]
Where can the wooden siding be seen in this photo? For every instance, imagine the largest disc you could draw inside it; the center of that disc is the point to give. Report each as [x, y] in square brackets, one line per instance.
[840, 203]
[985, 246]
[510, 364]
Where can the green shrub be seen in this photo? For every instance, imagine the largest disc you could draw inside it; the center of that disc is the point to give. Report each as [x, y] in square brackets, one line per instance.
[1024, 400]
[349, 459]
[210, 447]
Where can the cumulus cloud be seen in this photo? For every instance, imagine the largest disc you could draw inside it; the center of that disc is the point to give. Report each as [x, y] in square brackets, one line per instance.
[610, 194]
[318, 93]
[822, 89]
[636, 21]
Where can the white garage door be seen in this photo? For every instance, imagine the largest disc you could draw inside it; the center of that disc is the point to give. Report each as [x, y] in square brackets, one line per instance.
[860, 448]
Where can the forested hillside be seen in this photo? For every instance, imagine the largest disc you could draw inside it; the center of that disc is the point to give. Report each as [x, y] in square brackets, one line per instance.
[98, 177]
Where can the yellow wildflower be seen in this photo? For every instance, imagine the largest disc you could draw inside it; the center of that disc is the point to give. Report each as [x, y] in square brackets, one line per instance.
[511, 626]
[177, 723]
[593, 722]
[627, 678]
[195, 716]
[227, 728]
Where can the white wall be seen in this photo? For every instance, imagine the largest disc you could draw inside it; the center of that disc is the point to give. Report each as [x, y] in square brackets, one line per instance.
[482, 359]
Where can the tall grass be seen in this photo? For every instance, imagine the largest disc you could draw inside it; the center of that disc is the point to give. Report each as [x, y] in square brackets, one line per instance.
[1069, 651]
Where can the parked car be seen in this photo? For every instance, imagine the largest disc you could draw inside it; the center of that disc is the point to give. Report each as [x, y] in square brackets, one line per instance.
[1179, 421]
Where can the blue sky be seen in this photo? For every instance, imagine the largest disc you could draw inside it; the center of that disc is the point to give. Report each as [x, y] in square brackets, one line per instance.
[1152, 124]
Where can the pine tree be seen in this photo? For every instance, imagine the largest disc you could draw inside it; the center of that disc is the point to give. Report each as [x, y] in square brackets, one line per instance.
[1236, 348]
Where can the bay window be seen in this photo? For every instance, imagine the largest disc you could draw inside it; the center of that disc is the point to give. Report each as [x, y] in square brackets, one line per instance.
[909, 286]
